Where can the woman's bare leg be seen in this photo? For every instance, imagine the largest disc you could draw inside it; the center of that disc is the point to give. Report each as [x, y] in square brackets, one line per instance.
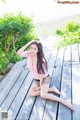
[35, 85]
[47, 95]
[54, 89]
[44, 94]
[34, 92]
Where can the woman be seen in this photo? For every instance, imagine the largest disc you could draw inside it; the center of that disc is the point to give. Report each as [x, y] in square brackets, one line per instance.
[38, 67]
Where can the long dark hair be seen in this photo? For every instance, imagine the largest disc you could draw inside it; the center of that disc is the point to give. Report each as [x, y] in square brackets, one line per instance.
[41, 61]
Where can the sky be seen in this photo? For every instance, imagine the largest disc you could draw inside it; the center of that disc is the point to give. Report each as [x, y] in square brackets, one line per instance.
[41, 10]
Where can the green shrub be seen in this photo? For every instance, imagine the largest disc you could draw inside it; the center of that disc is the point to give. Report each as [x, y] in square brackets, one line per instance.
[70, 34]
[15, 31]
[72, 27]
[13, 28]
[6, 58]
[24, 39]
[3, 60]
[59, 32]
[13, 57]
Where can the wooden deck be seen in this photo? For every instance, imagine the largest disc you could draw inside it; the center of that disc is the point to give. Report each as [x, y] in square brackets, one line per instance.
[64, 69]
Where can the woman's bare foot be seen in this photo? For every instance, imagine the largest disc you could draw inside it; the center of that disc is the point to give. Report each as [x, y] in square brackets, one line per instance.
[71, 106]
[54, 89]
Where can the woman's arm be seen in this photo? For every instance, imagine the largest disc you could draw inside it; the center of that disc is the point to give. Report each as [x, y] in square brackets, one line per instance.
[21, 52]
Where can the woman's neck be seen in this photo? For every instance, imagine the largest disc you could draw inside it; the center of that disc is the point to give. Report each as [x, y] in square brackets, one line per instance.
[34, 56]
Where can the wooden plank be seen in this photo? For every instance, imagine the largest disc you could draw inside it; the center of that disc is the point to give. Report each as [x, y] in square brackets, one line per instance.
[67, 56]
[11, 72]
[47, 53]
[79, 51]
[51, 107]
[6, 80]
[76, 87]
[65, 94]
[52, 59]
[75, 56]
[76, 91]
[19, 99]
[20, 64]
[14, 91]
[10, 84]
[65, 86]
[26, 108]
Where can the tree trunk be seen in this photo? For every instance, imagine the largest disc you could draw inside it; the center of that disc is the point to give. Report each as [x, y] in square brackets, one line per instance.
[5, 46]
[13, 43]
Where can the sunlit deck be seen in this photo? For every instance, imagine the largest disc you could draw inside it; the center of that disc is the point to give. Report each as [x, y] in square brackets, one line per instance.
[64, 70]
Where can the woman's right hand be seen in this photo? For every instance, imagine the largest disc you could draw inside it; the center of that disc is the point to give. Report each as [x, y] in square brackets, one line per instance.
[36, 88]
[32, 41]
[29, 43]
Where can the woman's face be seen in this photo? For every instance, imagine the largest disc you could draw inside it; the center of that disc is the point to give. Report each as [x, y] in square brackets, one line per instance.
[34, 49]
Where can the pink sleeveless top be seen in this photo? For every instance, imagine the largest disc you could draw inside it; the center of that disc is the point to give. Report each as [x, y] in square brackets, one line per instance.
[33, 68]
